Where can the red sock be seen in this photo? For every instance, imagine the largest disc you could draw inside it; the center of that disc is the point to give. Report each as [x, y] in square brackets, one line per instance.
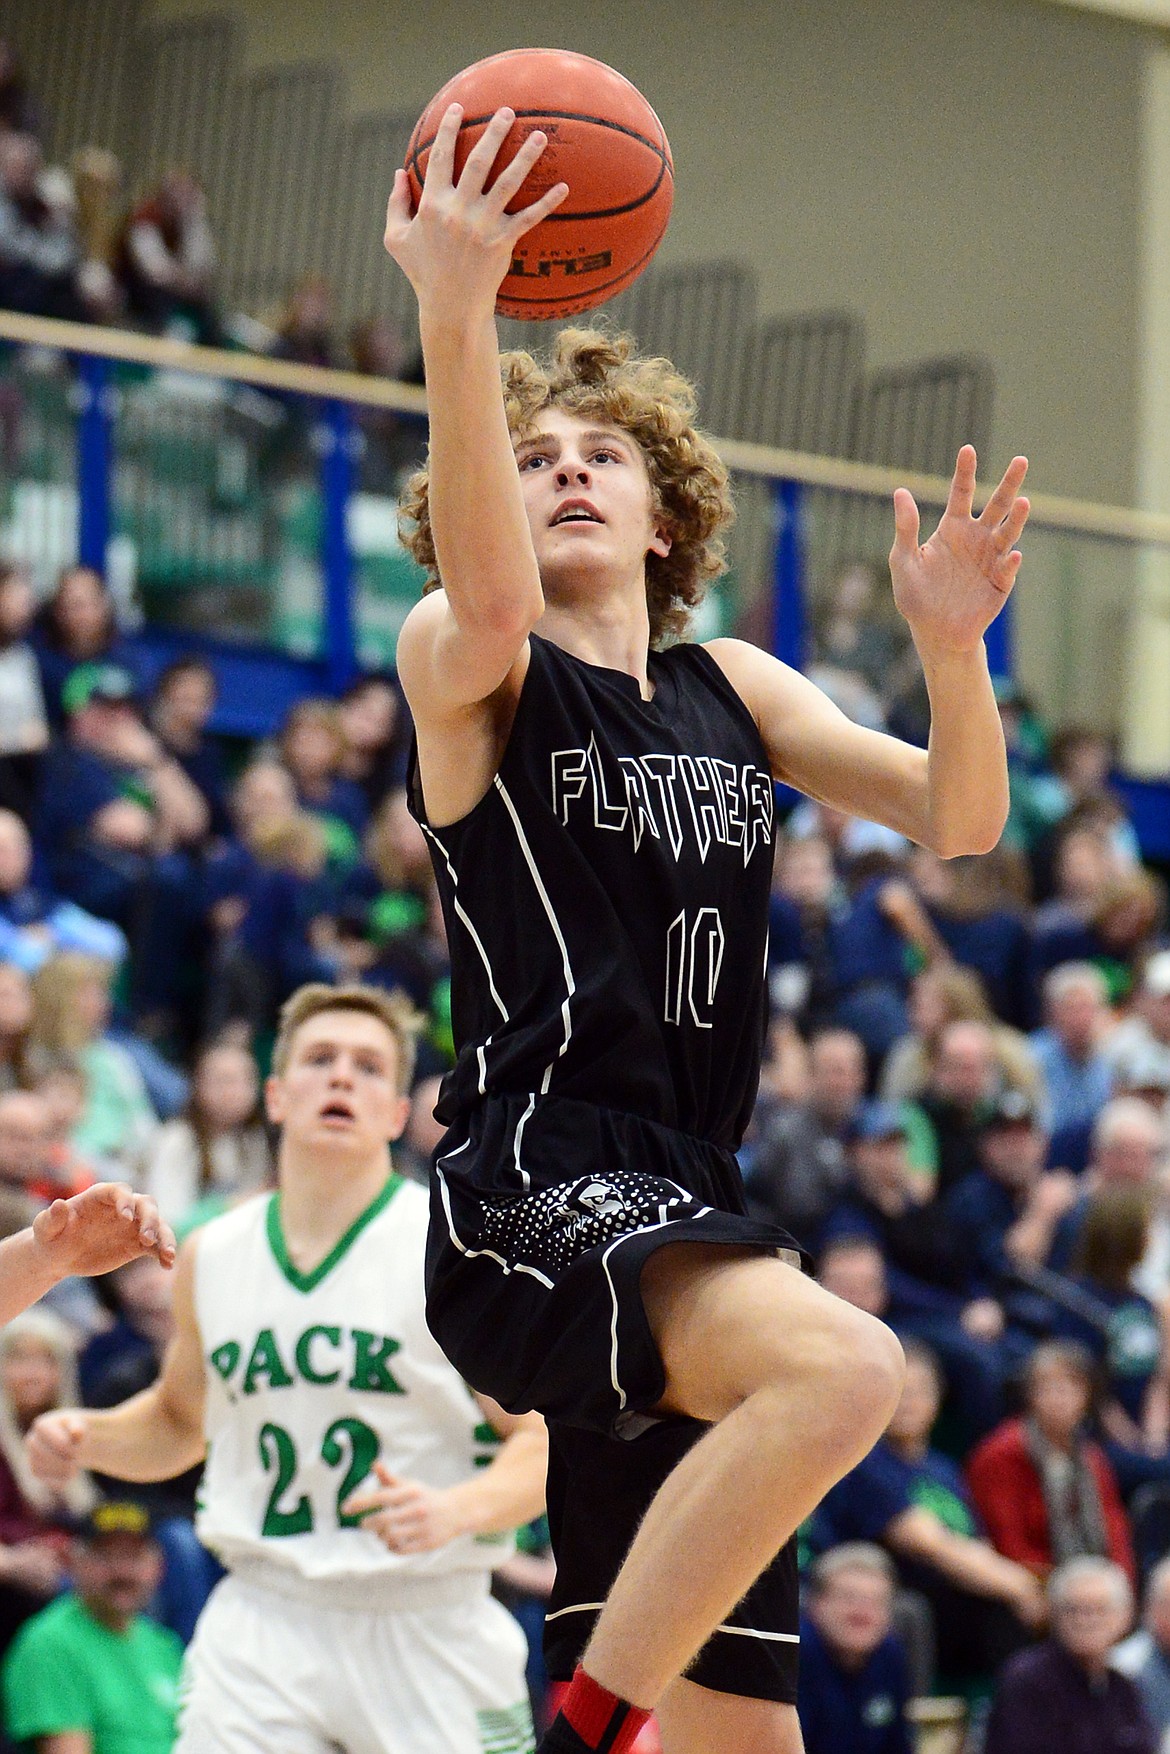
[604, 1722]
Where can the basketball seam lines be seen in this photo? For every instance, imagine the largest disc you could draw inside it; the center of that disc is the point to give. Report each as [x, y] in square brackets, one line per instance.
[659, 151]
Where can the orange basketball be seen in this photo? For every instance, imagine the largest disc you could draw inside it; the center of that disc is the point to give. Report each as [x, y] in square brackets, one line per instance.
[604, 141]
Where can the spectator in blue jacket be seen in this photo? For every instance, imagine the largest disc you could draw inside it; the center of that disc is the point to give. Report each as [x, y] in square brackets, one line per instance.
[853, 1678]
[1078, 1075]
[180, 710]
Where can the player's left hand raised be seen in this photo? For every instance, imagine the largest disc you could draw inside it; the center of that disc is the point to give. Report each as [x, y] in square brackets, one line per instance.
[102, 1228]
[952, 587]
[408, 1516]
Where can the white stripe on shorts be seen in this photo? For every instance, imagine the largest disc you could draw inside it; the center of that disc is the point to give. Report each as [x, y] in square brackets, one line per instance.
[739, 1631]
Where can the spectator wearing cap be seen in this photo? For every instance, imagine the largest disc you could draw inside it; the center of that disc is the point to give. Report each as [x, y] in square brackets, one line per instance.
[794, 1161]
[933, 1289]
[1062, 1697]
[1141, 1042]
[1045, 1491]
[77, 625]
[853, 1676]
[1008, 1209]
[91, 1671]
[1078, 1076]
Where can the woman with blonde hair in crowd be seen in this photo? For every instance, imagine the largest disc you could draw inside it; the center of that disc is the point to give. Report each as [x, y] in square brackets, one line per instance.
[71, 1015]
[38, 1371]
[940, 995]
[218, 1148]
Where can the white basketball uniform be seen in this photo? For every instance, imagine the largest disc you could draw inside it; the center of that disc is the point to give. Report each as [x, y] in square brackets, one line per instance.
[320, 1638]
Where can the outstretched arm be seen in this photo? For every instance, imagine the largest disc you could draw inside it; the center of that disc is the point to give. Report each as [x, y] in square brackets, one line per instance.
[93, 1232]
[413, 1518]
[953, 796]
[152, 1436]
[459, 644]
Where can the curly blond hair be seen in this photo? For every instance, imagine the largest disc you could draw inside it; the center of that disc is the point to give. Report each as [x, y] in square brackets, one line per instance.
[594, 373]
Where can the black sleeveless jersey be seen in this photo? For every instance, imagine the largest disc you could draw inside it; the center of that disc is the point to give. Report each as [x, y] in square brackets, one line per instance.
[606, 901]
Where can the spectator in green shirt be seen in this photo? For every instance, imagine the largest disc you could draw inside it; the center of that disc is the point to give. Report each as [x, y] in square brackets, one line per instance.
[90, 1674]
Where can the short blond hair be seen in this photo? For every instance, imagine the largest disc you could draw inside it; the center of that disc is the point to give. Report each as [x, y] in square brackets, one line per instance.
[596, 374]
[394, 1010]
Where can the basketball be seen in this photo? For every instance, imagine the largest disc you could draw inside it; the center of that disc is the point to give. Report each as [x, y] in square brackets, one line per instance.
[604, 141]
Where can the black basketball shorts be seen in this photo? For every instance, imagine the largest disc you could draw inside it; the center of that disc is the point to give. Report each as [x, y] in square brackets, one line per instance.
[541, 1222]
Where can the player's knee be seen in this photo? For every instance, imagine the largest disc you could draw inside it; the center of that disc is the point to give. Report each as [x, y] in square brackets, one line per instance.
[877, 1372]
[858, 1367]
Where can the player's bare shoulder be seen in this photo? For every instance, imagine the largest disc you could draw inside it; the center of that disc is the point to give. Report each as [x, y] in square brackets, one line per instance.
[750, 671]
[461, 740]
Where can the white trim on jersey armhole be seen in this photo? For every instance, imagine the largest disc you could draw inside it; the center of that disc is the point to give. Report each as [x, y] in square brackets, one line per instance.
[550, 912]
[463, 914]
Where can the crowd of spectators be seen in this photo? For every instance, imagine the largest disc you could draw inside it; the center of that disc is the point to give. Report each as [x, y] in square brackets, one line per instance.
[966, 1130]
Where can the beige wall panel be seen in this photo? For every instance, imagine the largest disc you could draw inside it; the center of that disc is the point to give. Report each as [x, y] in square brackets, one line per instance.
[962, 172]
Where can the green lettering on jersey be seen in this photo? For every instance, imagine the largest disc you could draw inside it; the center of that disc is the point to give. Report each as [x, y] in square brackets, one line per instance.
[370, 1369]
[225, 1358]
[304, 1354]
[265, 1362]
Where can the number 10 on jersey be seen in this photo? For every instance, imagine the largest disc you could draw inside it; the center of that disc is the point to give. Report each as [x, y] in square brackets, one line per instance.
[694, 958]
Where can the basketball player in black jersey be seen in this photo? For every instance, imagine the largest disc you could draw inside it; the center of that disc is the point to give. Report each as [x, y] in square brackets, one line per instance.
[599, 812]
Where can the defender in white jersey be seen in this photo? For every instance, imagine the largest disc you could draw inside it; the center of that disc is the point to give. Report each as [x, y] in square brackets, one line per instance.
[356, 1490]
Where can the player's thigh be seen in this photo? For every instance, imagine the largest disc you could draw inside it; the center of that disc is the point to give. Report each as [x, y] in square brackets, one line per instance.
[694, 1720]
[728, 1321]
[248, 1684]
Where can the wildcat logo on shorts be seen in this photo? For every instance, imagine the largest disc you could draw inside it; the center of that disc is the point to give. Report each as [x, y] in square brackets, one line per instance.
[585, 1205]
[548, 1229]
[601, 1199]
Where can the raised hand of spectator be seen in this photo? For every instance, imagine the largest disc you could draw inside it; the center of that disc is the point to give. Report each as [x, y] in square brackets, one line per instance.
[53, 1446]
[1054, 1194]
[124, 823]
[129, 740]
